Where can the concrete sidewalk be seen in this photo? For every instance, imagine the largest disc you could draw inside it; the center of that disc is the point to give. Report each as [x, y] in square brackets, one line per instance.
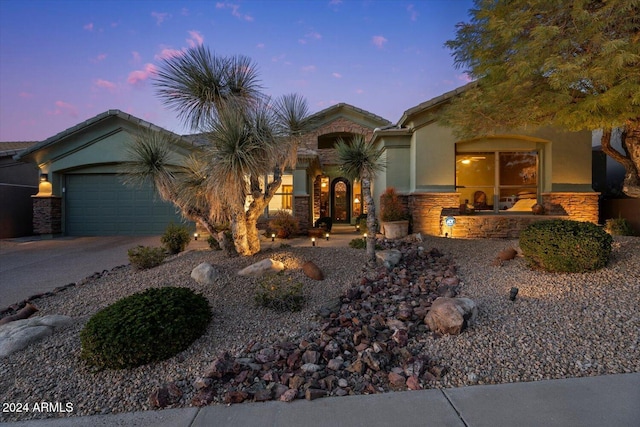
[611, 400]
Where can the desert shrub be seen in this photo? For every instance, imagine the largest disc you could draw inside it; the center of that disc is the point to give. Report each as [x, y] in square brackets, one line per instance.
[391, 207]
[143, 257]
[213, 243]
[362, 222]
[176, 238]
[565, 246]
[279, 292]
[284, 225]
[361, 243]
[618, 227]
[145, 327]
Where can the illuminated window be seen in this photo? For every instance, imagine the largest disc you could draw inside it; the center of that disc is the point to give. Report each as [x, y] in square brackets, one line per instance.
[498, 181]
[283, 199]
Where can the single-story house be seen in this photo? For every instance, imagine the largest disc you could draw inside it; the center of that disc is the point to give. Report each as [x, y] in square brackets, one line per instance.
[503, 176]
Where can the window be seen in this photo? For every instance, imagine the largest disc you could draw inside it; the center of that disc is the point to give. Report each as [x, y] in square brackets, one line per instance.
[498, 181]
[283, 199]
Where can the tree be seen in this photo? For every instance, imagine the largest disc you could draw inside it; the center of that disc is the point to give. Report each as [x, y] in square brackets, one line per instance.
[361, 160]
[245, 136]
[574, 64]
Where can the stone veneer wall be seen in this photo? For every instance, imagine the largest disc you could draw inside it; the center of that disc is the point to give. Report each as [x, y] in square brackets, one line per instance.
[47, 215]
[484, 226]
[425, 210]
[329, 156]
[428, 211]
[578, 206]
[301, 213]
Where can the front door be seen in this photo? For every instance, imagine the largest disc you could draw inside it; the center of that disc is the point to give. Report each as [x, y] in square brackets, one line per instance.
[340, 197]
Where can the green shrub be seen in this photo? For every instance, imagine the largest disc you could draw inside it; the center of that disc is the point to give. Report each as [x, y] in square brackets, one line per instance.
[361, 243]
[176, 238]
[145, 327]
[565, 246]
[284, 225]
[618, 227]
[213, 243]
[278, 292]
[362, 222]
[143, 257]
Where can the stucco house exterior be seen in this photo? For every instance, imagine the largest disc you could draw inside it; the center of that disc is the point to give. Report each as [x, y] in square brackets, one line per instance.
[503, 176]
[88, 196]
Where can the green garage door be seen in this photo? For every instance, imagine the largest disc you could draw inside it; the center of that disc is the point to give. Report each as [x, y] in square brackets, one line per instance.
[101, 205]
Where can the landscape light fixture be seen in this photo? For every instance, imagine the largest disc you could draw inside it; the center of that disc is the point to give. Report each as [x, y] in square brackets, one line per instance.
[195, 236]
[364, 237]
[273, 237]
[313, 241]
[513, 293]
[327, 236]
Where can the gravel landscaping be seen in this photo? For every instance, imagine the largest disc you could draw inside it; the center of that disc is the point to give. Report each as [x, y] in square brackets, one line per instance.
[559, 326]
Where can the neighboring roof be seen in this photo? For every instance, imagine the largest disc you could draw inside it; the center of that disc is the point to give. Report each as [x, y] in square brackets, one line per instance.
[11, 148]
[88, 123]
[337, 108]
[434, 102]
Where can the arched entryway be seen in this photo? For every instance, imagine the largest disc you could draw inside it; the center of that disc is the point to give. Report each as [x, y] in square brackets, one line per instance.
[340, 200]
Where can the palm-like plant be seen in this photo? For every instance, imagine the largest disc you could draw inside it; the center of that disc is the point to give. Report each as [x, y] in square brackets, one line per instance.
[247, 136]
[362, 160]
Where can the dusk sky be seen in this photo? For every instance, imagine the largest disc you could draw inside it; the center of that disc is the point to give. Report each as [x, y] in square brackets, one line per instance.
[62, 62]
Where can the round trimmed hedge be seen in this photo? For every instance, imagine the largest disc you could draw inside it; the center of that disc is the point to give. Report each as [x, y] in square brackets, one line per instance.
[566, 246]
[145, 327]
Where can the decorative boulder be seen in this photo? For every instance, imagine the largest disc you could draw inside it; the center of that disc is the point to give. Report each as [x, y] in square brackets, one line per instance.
[205, 274]
[390, 257]
[507, 254]
[313, 271]
[164, 396]
[266, 266]
[19, 334]
[451, 315]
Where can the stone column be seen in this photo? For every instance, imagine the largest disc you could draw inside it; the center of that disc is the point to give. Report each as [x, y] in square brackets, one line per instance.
[425, 209]
[47, 215]
[301, 211]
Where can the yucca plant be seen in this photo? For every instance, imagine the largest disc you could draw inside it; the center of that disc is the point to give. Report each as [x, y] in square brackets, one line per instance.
[362, 160]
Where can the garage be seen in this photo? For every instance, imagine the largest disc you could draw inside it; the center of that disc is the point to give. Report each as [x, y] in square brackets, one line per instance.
[101, 205]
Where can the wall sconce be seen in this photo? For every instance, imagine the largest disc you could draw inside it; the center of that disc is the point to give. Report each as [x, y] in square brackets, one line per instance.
[45, 188]
[327, 236]
[273, 237]
[195, 236]
[356, 200]
[313, 241]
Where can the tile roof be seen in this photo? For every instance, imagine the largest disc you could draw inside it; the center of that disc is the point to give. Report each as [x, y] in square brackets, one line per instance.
[342, 105]
[435, 101]
[11, 148]
[89, 122]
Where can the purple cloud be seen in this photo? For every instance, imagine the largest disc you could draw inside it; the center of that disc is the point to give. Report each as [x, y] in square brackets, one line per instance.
[64, 108]
[379, 41]
[235, 11]
[140, 76]
[105, 84]
[160, 17]
[89, 26]
[196, 39]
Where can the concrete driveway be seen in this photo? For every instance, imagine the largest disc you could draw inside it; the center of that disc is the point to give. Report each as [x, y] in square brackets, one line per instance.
[30, 266]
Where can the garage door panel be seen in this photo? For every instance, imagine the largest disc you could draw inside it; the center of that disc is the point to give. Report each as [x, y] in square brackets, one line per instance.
[100, 204]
